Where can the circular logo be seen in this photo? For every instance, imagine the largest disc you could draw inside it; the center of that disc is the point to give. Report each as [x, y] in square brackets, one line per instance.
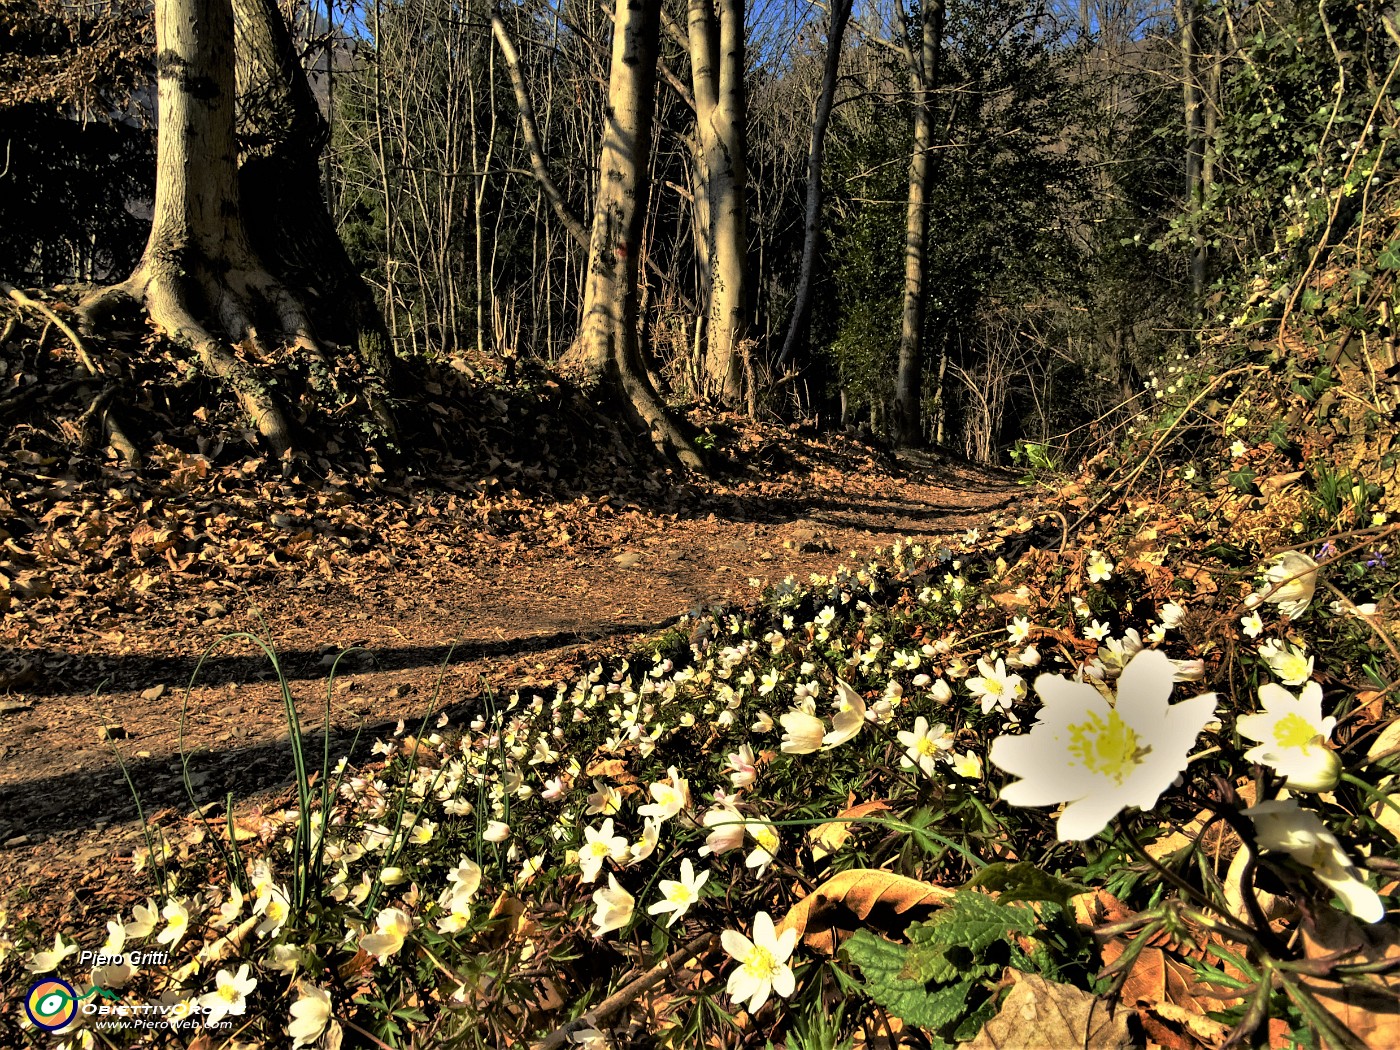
[51, 1004]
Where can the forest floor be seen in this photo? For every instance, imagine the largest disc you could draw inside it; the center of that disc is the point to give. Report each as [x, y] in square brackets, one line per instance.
[445, 597]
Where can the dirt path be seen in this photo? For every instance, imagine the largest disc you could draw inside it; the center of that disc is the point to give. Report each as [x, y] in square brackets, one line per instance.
[493, 612]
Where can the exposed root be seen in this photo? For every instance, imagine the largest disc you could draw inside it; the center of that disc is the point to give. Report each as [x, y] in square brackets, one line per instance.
[42, 308]
[100, 420]
[666, 434]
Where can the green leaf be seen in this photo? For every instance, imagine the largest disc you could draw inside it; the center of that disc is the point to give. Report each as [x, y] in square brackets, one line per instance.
[1023, 881]
[928, 964]
[973, 921]
[881, 963]
[1389, 259]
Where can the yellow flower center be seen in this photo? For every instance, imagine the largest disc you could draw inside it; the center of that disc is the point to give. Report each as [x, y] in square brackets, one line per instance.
[228, 993]
[767, 839]
[761, 964]
[1294, 667]
[1293, 730]
[926, 746]
[598, 848]
[1110, 748]
[993, 686]
[680, 893]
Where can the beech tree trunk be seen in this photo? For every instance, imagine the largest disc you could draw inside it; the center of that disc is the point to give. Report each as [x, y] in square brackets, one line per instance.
[201, 278]
[802, 301]
[923, 76]
[281, 136]
[607, 354]
[198, 273]
[716, 39]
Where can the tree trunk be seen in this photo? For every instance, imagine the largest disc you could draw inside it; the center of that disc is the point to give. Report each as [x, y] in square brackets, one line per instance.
[923, 79]
[607, 354]
[716, 41]
[802, 301]
[198, 262]
[1188, 15]
[200, 278]
[281, 135]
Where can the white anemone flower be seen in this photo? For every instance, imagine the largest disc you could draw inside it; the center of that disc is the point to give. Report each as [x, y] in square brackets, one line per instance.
[465, 877]
[1101, 758]
[849, 717]
[1115, 652]
[391, 926]
[679, 895]
[310, 1015]
[766, 837]
[995, 687]
[1292, 579]
[177, 920]
[667, 799]
[968, 765]
[47, 961]
[925, 746]
[743, 767]
[615, 906]
[1290, 662]
[143, 920]
[727, 830]
[763, 967]
[230, 995]
[1284, 826]
[645, 846]
[1252, 625]
[1020, 630]
[1100, 568]
[600, 844]
[605, 799]
[1292, 735]
[802, 733]
[496, 831]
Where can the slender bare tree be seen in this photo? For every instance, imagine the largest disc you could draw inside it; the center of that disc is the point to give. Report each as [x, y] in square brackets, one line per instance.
[821, 118]
[923, 77]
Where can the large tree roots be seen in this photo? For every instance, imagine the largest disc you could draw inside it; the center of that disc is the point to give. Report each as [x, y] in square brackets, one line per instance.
[250, 333]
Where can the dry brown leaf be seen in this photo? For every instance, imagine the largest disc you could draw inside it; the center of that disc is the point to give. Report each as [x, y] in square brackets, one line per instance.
[1371, 1007]
[859, 890]
[1038, 1014]
[829, 837]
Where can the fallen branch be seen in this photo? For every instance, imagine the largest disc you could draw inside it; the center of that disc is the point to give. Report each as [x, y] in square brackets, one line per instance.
[42, 308]
[628, 993]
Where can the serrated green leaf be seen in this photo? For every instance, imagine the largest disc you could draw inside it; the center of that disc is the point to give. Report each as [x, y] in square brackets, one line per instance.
[972, 921]
[880, 963]
[1023, 881]
[928, 965]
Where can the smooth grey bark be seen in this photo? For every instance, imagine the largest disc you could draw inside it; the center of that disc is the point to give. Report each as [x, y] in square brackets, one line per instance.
[607, 355]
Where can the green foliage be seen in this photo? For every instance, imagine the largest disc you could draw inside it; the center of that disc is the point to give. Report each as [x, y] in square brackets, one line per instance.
[942, 981]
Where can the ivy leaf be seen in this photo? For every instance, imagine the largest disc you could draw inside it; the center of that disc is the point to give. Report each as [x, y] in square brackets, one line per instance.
[1389, 259]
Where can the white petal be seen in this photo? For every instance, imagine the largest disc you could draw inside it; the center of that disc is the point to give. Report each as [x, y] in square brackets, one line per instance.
[1087, 817]
[1144, 689]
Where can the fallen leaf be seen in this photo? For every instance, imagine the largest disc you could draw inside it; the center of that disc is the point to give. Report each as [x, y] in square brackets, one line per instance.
[1040, 1013]
[859, 890]
[1370, 1005]
[829, 837]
